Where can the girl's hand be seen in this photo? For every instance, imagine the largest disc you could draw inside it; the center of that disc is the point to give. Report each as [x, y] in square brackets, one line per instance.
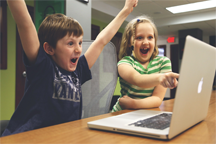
[169, 80]
[130, 4]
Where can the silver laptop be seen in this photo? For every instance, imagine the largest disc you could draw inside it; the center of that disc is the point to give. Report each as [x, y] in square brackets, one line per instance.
[191, 100]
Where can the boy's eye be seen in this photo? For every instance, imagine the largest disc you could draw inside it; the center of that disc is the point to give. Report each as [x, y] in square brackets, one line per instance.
[70, 43]
[80, 43]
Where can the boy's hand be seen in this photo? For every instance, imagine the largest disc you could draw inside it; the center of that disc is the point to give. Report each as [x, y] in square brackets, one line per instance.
[169, 80]
[130, 4]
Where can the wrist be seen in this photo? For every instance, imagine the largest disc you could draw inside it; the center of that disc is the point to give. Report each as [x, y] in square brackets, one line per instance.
[133, 104]
[159, 78]
[126, 10]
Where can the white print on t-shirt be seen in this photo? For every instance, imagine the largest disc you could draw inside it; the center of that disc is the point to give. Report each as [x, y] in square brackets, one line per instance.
[66, 87]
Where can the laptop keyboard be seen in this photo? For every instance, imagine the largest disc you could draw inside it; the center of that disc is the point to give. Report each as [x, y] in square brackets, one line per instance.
[161, 122]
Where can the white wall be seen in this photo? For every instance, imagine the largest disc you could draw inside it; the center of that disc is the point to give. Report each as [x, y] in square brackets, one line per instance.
[206, 39]
[82, 13]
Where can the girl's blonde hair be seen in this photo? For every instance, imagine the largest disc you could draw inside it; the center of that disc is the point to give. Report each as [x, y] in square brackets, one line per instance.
[130, 29]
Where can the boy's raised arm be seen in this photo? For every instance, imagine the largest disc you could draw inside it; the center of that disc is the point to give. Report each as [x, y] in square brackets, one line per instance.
[107, 34]
[26, 28]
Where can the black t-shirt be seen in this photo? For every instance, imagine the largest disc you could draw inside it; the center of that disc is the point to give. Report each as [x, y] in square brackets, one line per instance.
[52, 95]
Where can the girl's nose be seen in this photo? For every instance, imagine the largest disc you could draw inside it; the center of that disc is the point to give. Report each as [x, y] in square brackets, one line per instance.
[145, 41]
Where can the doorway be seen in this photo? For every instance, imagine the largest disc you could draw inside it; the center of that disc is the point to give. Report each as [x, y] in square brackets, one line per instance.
[174, 57]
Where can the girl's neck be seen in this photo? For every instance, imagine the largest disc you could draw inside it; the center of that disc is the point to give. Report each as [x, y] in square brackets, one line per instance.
[145, 65]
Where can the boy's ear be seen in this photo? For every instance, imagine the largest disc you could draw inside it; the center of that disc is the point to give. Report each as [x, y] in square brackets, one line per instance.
[48, 48]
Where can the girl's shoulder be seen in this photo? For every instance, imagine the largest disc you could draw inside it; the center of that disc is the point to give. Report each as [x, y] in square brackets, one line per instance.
[127, 59]
[161, 58]
[130, 60]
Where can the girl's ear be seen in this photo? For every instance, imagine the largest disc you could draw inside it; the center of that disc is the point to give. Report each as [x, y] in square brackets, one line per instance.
[48, 49]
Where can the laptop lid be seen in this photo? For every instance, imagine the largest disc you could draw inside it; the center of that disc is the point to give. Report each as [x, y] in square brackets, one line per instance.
[194, 89]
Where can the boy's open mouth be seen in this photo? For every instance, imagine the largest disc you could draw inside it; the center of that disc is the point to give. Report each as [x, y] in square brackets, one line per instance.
[74, 60]
[144, 51]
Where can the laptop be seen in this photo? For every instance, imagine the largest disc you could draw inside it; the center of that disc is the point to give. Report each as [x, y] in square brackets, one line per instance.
[191, 99]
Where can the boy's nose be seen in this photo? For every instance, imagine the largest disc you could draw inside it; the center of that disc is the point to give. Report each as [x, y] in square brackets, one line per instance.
[78, 49]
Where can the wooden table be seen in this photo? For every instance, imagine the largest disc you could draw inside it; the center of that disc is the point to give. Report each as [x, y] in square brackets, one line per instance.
[78, 132]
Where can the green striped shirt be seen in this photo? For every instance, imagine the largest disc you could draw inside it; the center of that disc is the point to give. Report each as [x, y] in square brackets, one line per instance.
[157, 65]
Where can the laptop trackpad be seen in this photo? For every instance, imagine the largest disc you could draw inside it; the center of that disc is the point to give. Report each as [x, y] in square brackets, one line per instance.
[137, 114]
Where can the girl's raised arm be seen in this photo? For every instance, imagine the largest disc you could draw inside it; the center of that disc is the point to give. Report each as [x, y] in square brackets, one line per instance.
[107, 34]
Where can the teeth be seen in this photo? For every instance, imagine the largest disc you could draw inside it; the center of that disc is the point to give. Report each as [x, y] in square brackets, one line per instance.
[144, 50]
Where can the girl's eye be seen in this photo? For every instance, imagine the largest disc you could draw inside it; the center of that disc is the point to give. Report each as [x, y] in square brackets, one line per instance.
[150, 37]
[139, 38]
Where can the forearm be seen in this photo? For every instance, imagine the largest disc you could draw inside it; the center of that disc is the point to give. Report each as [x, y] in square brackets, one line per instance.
[149, 102]
[26, 28]
[167, 80]
[145, 80]
[110, 30]
[129, 74]
[20, 12]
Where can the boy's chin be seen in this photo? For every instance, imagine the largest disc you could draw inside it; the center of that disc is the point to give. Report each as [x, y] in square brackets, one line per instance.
[72, 69]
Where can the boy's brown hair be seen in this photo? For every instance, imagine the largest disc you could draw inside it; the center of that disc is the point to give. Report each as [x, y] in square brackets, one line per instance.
[56, 26]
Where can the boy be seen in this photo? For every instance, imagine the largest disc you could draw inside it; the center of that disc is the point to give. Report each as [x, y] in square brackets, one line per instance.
[55, 70]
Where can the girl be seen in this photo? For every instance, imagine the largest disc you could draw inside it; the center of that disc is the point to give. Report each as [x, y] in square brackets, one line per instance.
[144, 76]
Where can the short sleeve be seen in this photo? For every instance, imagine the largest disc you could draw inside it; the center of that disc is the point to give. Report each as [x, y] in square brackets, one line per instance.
[126, 60]
[83, 70]
[166, 65]
[42, 65]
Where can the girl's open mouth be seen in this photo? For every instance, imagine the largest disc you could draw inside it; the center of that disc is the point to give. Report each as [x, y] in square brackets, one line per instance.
[144, 51]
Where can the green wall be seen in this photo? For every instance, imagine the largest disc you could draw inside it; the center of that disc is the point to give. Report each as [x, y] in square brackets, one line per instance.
[118, 88]
[43, 9]
[7, 77]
